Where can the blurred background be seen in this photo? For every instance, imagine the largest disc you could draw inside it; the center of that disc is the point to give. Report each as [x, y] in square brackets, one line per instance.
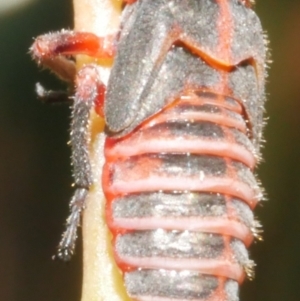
[35, 176]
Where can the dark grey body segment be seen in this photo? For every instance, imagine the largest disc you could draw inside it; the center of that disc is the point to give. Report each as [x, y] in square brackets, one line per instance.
[182, 284]
[190, 204]
[170, 244]
[185, 285]
[163, 204]
[148, 73]
[182, 166]
[197, 129]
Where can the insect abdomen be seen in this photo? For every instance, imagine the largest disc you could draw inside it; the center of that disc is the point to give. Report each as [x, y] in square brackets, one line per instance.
[180, 191]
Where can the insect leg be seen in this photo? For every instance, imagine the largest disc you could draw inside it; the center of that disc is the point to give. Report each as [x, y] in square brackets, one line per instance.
[89, 94]
[52, 50]
[50, 96]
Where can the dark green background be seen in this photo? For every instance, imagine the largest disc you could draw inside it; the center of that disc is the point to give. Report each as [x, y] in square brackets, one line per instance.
[35, 174]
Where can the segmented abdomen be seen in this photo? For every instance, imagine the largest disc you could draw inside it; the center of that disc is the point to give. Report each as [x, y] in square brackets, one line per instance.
[180, 193]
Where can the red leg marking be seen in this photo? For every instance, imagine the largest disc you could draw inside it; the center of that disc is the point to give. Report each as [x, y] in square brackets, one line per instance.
[90, 88]
[51, 50]
[129, 1]
[72, 43]
[99, 101]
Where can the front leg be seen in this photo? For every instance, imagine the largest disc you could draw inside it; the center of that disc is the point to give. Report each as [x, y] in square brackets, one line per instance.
[89, 95]
[53, 50]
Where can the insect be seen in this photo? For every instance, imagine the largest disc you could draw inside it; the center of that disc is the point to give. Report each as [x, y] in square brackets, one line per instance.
[183, 110]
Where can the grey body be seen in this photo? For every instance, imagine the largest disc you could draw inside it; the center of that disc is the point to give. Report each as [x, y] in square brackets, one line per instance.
[166, 48]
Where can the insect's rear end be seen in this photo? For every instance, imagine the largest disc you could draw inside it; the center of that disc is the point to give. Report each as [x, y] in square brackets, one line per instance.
[183, 111]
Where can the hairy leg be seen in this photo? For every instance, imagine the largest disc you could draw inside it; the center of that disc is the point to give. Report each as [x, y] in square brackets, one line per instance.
[53, 51]
[89, 95]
